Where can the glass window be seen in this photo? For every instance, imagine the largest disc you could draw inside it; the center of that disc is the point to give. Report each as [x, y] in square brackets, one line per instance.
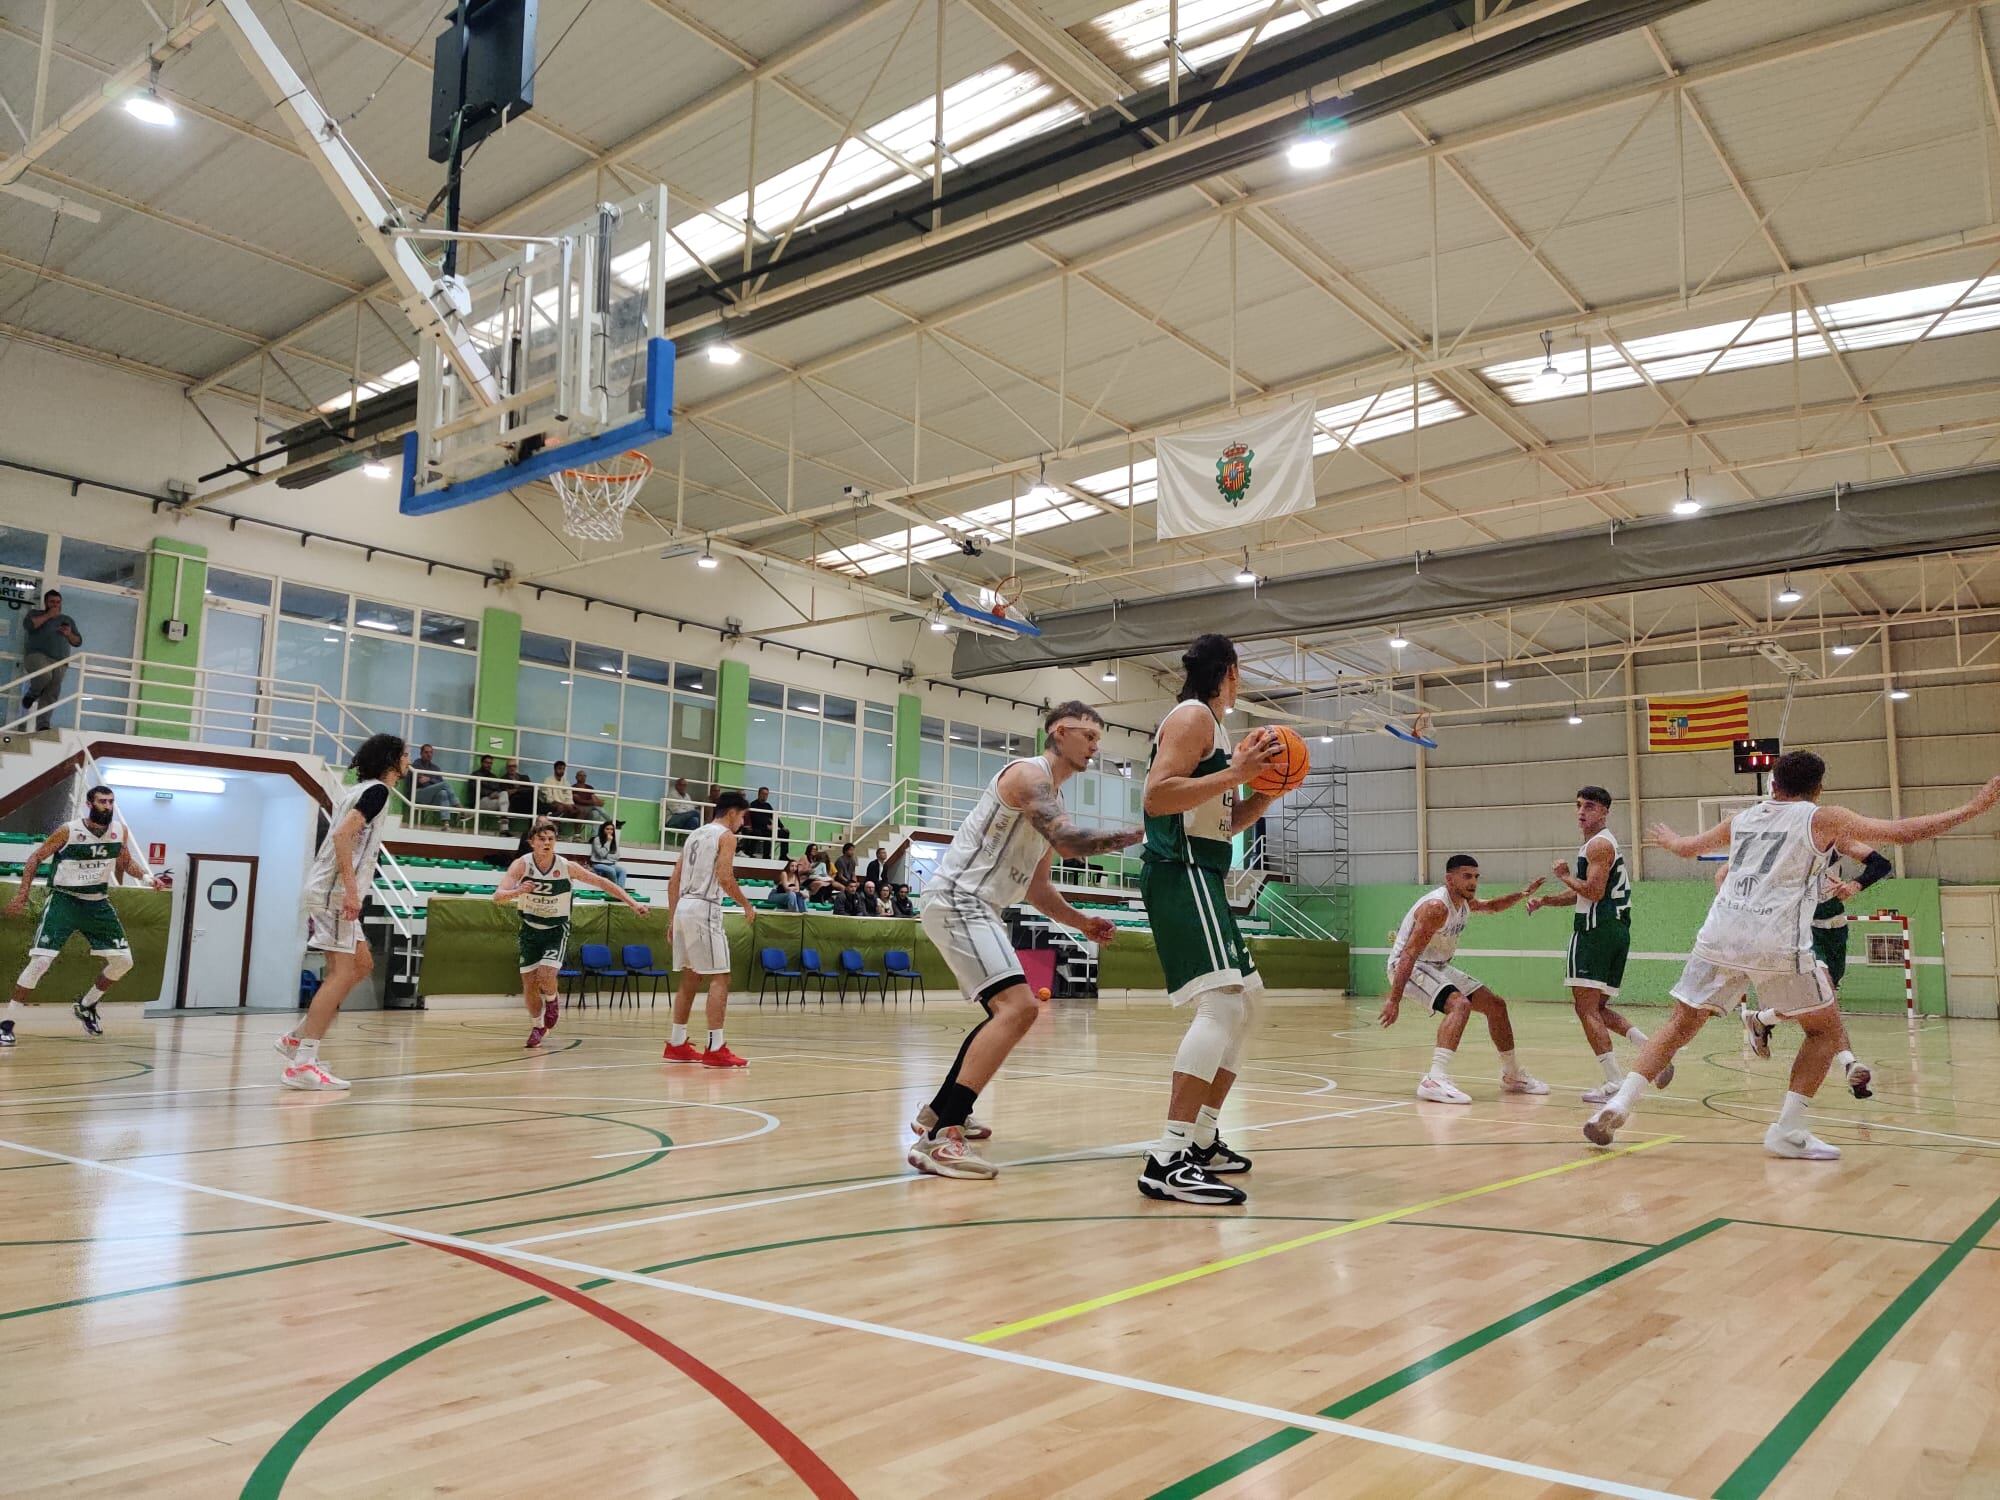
[449, 630]
[930, 761]
[541, 698]
[99, 562]
[694, 726]
[701, 680]
[878, 756]
[452, 739]
[646, 714]
[600, 659]
[548, 649]
[593, 706]
[108, 623]
[24, 549]
[767, 737]
[379, 668]
[879, 716]
[244, 588]
[838, 710]
[384, 619]
[538, 752]
[646, 669]
[837, 757]
[300, 601]
[995, 739]
[801, 741]
[766, 694]
[446, 681]
[930, 729]
[800, 701]
[309, 654]
[642, 773]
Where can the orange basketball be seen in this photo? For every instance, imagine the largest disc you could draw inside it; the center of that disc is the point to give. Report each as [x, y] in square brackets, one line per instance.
[1289, 769]
[1042, 993]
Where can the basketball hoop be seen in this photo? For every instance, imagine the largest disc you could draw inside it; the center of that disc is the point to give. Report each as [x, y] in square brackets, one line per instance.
[596, 498]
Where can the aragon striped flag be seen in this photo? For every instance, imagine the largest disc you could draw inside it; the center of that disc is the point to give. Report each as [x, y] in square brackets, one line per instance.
[1706, 723]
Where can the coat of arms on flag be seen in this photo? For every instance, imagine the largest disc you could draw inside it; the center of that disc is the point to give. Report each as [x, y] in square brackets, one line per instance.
[1254, 467]
[1714, 722]
[1232, 471]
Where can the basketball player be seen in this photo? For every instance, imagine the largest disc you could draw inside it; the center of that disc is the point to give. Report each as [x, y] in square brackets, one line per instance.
[1001, 854]
[539, 884]
[1758, 935]
[1421, 960]
[343, 872]
[1829, 942]
[86, 855]
[704, 873]
[1194, 809]
[1601, 891]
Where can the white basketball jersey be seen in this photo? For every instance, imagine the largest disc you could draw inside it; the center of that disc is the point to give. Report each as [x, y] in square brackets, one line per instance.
[1761, 918]
[324, 879]
[993, 855]
[1443, 945]
[701, 879]
[545, 895]
[87, 864]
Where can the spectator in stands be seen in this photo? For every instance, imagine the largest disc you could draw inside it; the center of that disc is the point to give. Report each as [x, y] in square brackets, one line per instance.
[488, 794]
[429, 788]
[604, 852]
[520, 790]
[583, 797]
[758, 824]
[865, 899]
[681, 811]
[901, 902]
[785, 893]
[878, 868]
[554, 793]
[47, 639]
[885, 906]
[808, 881]
[845, 873]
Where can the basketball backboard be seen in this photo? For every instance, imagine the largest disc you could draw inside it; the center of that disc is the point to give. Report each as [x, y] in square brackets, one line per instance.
[571, 329]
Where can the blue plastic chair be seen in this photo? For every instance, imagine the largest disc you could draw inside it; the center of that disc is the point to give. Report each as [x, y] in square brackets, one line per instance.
[597, 964]
[638, 957]
[569, 981]
[896, 970]
[810, 967]
[771, 965]
[851, 968]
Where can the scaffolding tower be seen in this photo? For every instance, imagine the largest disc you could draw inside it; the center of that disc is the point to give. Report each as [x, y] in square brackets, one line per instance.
[1310, 850]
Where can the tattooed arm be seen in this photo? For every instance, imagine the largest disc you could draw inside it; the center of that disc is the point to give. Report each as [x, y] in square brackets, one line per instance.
[1026, 786]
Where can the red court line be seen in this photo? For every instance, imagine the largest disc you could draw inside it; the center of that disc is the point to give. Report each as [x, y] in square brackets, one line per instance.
[808, 1465]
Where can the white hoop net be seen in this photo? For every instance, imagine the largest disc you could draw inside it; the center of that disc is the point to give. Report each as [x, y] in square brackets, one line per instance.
[595, 499]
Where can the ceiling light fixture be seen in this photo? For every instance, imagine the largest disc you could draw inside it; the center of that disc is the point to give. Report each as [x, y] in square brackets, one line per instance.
[1841, 648]
[162, 781]
[1897, 695]
[149, 108]
[1309, 153]
[1503, 683]
[1326, 739]
[938, 624]
[1548, 378]
[1246, 574]
[375, 469]
[1110, 674]
[1398, 641]
[1574, 716]
[722, 352]
[708, 559]
[1788, 594]
[1687, 505]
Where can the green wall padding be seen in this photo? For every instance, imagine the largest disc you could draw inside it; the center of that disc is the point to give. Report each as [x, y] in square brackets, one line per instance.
[497, 685]
[1133, 963]
[146, 915]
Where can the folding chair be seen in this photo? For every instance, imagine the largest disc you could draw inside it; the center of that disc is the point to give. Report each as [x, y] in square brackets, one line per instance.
[638, 958]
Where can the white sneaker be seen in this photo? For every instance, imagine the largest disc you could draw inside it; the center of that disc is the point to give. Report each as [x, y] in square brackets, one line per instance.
[1442, 1091]
[1602, 1094]
[1800, 1144]
[311, 1076]
[287, 1047]
[946, 1155]
[1522, 1083]
[1602, 1126]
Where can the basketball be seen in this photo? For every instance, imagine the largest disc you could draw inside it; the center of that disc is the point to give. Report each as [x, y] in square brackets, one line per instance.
[1042, 993]
[1289, 769]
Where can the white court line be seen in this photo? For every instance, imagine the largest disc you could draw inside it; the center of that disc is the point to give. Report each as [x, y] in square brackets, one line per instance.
[902, 1177]
[1273, 1414]
[1841, 1122]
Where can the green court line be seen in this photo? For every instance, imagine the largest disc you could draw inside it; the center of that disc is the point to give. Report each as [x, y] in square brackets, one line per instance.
[1265, 1449]
[1754, 1475]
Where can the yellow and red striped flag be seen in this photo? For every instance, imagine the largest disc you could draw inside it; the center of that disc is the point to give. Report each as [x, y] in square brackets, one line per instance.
[1707, 723]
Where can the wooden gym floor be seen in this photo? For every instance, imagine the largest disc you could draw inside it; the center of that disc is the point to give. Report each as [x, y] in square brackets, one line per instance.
[716, 1284]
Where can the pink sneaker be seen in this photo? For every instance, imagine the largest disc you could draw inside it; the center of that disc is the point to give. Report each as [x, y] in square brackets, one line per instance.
[551, 1013]
[287, 1047]
[311, 1076]
[535, 1035]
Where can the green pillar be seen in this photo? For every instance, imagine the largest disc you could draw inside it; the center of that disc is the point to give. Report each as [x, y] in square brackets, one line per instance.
[732, 723]
[495, 689]
[176, 575]
[909, 755]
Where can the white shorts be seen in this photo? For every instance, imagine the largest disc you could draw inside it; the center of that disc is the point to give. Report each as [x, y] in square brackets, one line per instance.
[1707, 986]
[700, 943]
[1436, 981]
[327, 931]
[970, 937]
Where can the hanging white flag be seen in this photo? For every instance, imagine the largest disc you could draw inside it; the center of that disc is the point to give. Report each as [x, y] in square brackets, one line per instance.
[1236, 473]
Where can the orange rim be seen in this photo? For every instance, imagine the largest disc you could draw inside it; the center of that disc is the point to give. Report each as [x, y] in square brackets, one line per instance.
[635, 466]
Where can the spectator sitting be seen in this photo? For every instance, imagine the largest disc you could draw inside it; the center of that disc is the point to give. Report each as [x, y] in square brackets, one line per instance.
[604, 852]
[520, 790]
[583, 797]
[428, 786]
[758, 825]
[845, 873]
[681, 811]
[554, 793]
[489, 792]
[901, 902]
[784, 846]
[785, 894]
[885, 904]
[867, 902]
[878, 867]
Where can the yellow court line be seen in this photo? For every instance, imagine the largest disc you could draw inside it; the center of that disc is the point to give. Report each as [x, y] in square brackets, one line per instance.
[1077, 1309]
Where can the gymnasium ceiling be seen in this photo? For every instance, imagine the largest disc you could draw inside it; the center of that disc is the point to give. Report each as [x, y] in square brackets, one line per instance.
[1759, 235]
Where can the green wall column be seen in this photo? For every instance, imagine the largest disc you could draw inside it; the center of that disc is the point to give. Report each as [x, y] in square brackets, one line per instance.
[732, 723]
[909, 755]
[495, 688]
[176, 577]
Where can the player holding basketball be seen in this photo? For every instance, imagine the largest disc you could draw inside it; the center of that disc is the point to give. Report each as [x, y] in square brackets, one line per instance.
[540, 885]
[703, 875]
[86, 856]
[1600, 888]
[1421, 960]
[1758, 935]
[343, 872]
[1001, 854]
[1193, 814]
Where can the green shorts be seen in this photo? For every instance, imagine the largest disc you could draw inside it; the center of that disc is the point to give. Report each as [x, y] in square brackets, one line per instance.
[1194, 931]
[1830, 951]
[543, 947]
[66, 914]
[1597, 958]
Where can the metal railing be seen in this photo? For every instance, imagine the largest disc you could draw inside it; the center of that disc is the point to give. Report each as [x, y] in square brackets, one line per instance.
[1288, 917]
[942, 806]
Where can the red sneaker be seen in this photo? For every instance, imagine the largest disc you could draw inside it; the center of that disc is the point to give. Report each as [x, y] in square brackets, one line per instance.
[551, 1013]
[685, 1052]
[722, 1057]
[535, 1034]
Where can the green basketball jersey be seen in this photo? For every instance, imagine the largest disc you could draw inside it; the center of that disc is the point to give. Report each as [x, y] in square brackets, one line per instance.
[1616, 903]
[1201, 835]
[88, 863]
[545, 894]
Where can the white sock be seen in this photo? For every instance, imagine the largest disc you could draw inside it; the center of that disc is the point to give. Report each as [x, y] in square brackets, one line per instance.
[1441, 1064]
[1793, 1115]
[1768, 1017]
[90, 997]
[308, 1051]
[1609, 1062]
[715, 1039]
[1176, 1138]
[1636, 1037]
[1627, 1097]
[1205, 1120]
[1508, 1067]
[680, 1034]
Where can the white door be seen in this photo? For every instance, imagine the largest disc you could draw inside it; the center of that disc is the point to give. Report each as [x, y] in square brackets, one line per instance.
[232, 652]
[215, 946]
[1971, 949]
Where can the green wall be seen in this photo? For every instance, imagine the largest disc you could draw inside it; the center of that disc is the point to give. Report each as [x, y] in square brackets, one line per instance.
[496, 687]
[732, 723]
[166, 672]
[908, 752]
[145, 914]
[1521, 956]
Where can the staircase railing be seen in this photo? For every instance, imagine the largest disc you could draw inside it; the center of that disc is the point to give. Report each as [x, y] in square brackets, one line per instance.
[1278, 905]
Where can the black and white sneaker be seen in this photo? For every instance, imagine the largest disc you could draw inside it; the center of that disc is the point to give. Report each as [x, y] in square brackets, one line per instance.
[1859, 1076]
[88, 1015]
[1218, 1159]
[6, 1033]
[1181, 1181]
